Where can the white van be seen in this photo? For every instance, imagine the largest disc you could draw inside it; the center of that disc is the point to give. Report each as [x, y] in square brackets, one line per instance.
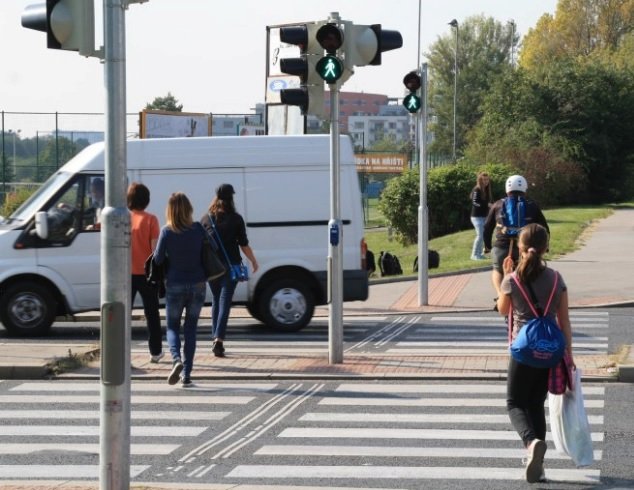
[282, 190]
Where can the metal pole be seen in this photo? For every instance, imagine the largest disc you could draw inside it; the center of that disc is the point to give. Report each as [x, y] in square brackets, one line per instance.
[423, 218]
[115, 265]
[335, 239]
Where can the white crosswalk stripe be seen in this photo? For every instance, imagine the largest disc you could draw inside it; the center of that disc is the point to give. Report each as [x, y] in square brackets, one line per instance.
[428, 432]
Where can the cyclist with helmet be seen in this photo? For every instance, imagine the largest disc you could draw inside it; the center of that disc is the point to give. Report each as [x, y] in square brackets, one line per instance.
[507, 216]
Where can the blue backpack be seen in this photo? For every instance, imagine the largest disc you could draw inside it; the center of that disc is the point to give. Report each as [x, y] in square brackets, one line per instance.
[513, 215]
[540, 343]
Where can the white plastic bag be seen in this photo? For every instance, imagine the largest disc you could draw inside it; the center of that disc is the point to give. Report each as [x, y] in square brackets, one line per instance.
[569, 424]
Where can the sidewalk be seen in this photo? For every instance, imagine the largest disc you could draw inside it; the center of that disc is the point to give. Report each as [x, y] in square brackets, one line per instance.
[598, 275]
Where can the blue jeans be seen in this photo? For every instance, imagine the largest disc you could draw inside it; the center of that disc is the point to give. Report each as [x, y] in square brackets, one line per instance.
[222, 290]
[477, 251]
[179, 297]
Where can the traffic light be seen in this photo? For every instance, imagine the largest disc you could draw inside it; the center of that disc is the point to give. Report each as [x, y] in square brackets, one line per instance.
[412, 100]
[330, 38]
[364, 44]
[69, 24]
[310, 96]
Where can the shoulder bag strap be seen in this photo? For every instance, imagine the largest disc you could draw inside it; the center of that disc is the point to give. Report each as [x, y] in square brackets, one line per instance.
[218, 239]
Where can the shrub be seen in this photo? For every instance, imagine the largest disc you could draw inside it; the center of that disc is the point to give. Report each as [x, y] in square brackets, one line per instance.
[14, 200]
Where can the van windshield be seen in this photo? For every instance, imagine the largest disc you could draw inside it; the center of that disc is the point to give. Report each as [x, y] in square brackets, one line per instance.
[37, 200]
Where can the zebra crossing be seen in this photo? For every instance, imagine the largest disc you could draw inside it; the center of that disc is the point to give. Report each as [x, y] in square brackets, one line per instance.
[342, 434]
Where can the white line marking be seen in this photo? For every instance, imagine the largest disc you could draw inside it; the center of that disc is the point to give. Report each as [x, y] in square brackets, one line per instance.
[94, 415]
[442, 389]
[429, 402]
[137, 387]
[57, 448]
[153, 400]
[71, 472]
[407, 472]
[86, 430]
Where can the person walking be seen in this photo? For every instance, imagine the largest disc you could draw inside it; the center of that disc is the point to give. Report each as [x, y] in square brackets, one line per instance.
[224, 223]
[507, 216]
[144, 232]
[180, 242]
[481, 201]
[527, 387]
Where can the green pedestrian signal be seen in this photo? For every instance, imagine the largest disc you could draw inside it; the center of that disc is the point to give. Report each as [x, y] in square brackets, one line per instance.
[412, 103]
[412, 83]
[329, 68]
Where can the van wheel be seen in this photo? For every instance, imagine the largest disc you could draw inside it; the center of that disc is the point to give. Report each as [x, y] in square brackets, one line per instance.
[287, 305]
[254, 311]
[27, 309]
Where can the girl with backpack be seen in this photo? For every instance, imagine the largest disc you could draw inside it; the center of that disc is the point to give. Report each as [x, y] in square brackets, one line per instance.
[527, 387]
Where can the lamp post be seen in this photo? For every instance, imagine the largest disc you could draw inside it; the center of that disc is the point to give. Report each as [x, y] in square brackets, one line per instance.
[454, 24]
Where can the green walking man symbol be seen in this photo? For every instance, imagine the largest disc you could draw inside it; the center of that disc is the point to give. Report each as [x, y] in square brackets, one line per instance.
[329, 69]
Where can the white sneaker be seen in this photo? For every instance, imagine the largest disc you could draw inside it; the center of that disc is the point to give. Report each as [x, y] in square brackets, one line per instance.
[155, 359]
[535, 466]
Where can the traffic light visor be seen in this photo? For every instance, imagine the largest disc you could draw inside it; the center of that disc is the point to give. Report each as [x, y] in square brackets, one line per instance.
[412, 81]
[297, 35]
[329, 37]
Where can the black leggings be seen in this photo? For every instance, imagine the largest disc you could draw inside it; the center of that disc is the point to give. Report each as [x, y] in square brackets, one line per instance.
[526, 390]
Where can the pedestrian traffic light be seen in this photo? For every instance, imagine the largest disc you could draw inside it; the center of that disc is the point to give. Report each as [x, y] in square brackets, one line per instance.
[364, 44]
[69, 24]
[330, 38]
[309, 97]
[412, 100]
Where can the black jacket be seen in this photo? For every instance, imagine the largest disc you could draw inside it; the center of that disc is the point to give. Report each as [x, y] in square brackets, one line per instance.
[494, 222]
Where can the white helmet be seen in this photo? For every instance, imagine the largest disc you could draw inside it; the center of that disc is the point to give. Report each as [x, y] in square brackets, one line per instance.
[516, 183]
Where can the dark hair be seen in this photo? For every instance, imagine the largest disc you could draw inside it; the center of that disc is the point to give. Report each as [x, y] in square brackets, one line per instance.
[223, 201]
[485, 187]
[533, 244]
[138, 196]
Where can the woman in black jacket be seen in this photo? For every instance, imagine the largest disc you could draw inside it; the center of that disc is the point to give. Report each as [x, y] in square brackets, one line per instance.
[481, 200]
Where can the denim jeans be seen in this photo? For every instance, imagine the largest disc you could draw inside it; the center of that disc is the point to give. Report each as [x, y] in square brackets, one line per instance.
[149, 295]
[526, 391]
[222, 290]
[477, 251]
[179, 297]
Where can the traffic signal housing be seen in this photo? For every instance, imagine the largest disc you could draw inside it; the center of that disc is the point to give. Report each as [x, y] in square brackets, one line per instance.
[364, 45]
[69, 24]
[309, 97]
[330, 67]
[412, 101]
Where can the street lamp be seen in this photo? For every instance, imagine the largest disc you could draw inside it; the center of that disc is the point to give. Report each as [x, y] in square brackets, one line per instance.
[511, 23]
[454, 24]
[15, 167]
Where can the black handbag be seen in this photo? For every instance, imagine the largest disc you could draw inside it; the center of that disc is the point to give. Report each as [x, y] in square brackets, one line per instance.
[212, 265]
[155, 274]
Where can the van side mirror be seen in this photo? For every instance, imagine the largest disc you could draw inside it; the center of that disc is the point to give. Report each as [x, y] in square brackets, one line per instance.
[41, 224]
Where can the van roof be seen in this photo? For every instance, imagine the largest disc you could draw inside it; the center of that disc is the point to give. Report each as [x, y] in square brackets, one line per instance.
[214, 151]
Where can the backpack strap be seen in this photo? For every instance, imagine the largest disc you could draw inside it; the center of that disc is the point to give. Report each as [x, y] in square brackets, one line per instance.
[530, 303]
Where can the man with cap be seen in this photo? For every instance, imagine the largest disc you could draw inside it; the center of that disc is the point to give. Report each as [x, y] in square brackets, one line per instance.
[507, 216]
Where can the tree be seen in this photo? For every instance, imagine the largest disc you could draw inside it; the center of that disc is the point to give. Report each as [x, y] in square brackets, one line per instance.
[167, 103]
[578, 29]
[484, 52]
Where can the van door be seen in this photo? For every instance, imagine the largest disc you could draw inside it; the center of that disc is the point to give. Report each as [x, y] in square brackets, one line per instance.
[72, 248]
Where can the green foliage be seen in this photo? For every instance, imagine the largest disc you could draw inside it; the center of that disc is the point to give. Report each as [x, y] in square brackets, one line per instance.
[448, 198]
[167, 103]
[484, 52]
[13, 201]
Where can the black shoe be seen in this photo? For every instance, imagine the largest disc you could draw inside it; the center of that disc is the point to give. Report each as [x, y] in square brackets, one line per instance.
[218, 349]
[172, 379]
[495, 304]
[186, 382]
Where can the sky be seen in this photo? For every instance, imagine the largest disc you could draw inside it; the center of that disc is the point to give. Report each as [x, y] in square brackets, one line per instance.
[211, 54]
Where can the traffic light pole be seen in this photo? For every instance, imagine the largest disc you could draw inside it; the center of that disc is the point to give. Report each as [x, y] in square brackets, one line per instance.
[335, 238]
[423, 215]
[114, 460]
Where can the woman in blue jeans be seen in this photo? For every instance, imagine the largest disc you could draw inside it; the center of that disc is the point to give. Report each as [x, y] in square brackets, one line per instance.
[233, 234]
[179, 247]
[481, 200]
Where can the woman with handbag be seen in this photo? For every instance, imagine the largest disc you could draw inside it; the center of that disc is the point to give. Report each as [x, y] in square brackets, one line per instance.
[181, 242]
[227, 228]
[527, 386]
[144, 232]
